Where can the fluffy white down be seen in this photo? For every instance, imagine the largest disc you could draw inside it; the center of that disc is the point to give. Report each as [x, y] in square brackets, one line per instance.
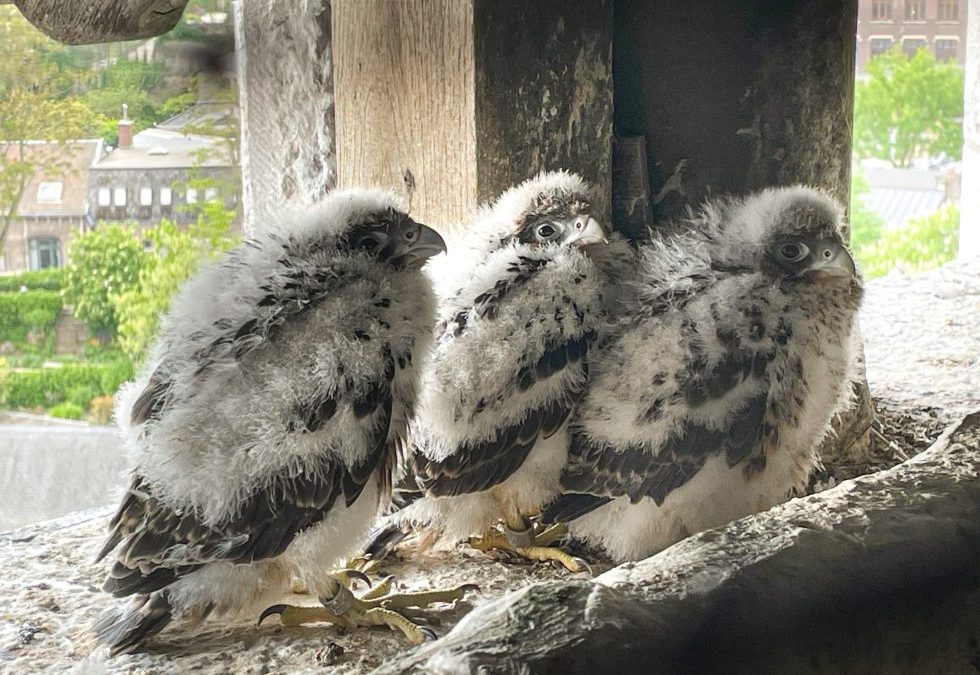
[478, 370]
[639, 367]
[227, 436]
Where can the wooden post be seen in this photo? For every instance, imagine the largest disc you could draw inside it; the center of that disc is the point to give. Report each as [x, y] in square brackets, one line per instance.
[737, 95]
[471, 96]
[285, 80]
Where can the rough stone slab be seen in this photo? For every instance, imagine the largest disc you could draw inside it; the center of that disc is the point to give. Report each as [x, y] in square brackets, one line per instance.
[881, 574]
[79, 22]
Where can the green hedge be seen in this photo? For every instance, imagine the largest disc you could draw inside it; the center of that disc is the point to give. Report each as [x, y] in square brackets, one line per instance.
[46, 280]
[68, 411]
[23, 312]
[76, 383]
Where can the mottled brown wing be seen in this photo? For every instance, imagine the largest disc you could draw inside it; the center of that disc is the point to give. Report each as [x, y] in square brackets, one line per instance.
[474, 467]
[597, 473]
[159, 544]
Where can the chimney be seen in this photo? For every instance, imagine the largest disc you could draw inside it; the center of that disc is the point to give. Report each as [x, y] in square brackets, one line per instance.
[125, 129]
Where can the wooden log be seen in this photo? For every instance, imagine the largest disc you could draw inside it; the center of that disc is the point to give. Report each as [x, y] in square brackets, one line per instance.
[471, 96]
[880, 574]
[78, 22]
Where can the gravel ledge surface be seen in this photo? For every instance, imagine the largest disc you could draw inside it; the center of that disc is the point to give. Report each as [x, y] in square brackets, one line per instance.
[880, 574]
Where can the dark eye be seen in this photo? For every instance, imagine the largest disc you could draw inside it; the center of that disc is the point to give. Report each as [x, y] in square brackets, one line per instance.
[410, 235]
[793, 252]
[547, 231]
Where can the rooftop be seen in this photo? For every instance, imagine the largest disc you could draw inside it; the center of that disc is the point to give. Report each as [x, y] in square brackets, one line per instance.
[173, 144]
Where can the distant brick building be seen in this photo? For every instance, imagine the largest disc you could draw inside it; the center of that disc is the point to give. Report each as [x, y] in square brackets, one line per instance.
[144, 179]
[936, 25]
[54, 203]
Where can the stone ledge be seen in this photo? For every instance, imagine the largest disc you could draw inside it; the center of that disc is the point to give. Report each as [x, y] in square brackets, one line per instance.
[881, 573]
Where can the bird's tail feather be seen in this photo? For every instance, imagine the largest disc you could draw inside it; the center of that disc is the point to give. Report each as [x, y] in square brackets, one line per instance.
[125, 629]
[384, 540]
[570, 506]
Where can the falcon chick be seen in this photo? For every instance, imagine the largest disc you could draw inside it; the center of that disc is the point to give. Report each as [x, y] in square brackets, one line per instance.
[264, 427]
[712, 403]
[520, 308]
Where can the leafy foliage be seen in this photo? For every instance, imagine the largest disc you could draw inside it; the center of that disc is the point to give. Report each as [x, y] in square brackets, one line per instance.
[866, 225]
[176, 255]
[67, 411]
[21, 313]
[105, 262]
[924, 243]
[47, 387]
[33, 107]
[48, 280]
[909, 106]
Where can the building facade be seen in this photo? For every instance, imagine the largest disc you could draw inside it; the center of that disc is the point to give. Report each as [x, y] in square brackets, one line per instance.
[52, 205]
[936, 25]
[160, 173]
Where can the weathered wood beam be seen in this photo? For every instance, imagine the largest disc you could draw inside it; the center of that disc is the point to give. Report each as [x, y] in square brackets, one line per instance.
[78, 22]
[285, 79]
[471, 96]
[880, 574]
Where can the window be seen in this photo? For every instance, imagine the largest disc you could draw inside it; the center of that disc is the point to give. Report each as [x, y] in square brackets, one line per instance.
[915, 10]
[146, 202]
[191, 196]
[912, 45]
[166, 201]
[947, 49]
[210, 194]
[881, 10]
[949, 10]
[49, 193]
[104, 196]
[880, 46]
[45, 253]
[119, 196]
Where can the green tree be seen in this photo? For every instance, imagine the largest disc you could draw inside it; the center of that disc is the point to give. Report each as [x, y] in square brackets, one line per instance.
[105, 262]
[176, 255]
[922, 244]
[910, 106]
[34, 82]
[132, 83]
[866, 225]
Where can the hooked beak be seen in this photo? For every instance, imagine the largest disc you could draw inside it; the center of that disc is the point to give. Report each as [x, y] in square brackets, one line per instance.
[587, 232]
[832, 262]
[414, 254]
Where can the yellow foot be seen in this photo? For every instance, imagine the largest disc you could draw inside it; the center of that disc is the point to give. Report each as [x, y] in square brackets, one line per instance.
[376, 607]
[538, 550]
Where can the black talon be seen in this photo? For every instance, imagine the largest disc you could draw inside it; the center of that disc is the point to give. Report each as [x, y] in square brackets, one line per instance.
[430, 635]
[269, 611]
[360, 576]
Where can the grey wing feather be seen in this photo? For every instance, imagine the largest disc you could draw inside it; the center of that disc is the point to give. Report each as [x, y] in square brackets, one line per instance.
[159, 545]
[479, 466]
